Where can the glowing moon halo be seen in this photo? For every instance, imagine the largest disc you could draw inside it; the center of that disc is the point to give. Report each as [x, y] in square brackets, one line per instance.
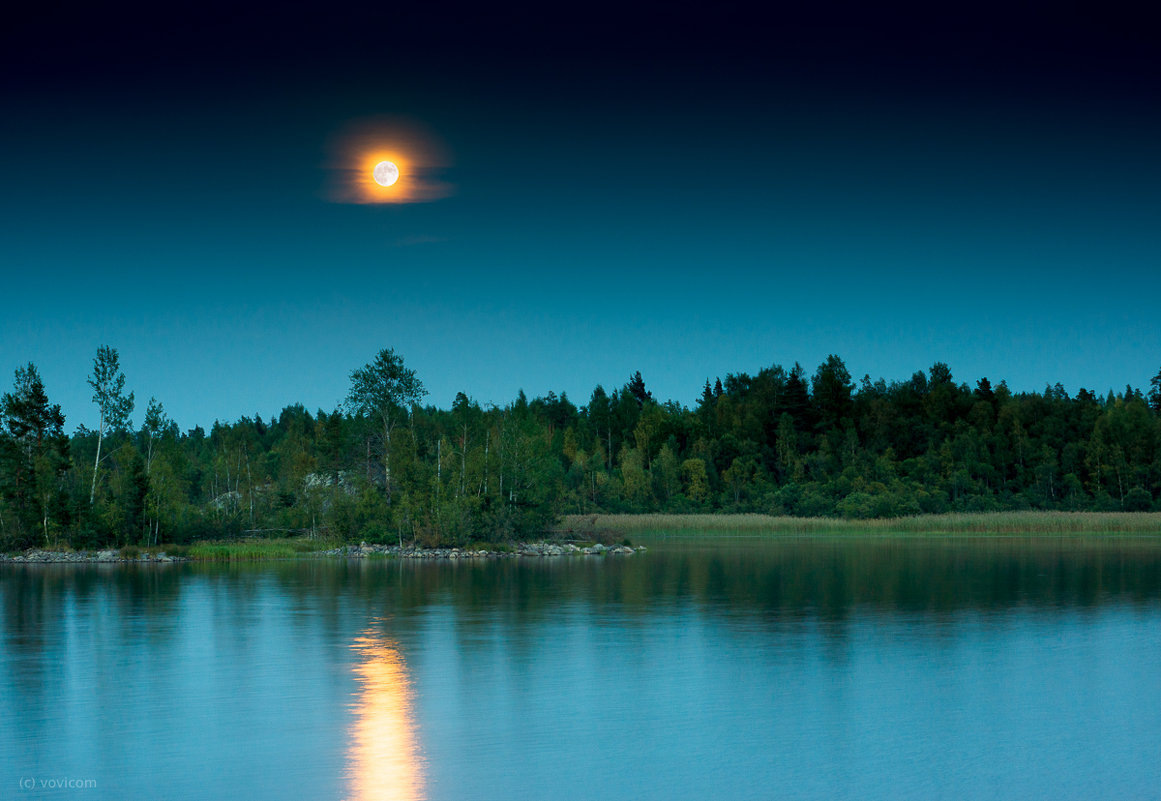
[385, 173]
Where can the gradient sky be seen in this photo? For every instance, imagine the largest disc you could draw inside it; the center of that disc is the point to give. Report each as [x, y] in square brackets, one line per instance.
[683, 192]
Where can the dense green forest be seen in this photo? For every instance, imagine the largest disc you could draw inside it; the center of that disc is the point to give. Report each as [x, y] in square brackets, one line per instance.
[384, 467]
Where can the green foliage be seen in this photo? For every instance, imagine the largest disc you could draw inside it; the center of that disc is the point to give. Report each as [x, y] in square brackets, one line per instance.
[34, 455]
[113, 405]
[386, 470]
[384, 390]
[122, 509]
[1155, 393]
[696, 480]
[108, 384]
[243, 551]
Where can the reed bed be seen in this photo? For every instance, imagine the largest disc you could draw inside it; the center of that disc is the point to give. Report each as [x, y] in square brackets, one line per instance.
[252, 550]
[981, 523]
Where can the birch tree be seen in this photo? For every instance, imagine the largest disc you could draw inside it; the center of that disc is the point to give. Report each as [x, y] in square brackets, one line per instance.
[114, 406]
[384, 391]
[155, 426]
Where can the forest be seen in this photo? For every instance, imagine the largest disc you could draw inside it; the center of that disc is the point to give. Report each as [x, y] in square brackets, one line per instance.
[384, 467]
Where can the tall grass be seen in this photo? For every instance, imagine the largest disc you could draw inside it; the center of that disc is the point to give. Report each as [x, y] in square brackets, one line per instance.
[253, 550]
[1031, 522]
[169, 549]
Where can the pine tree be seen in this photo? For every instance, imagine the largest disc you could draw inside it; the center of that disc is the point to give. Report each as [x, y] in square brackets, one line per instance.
[33, 458]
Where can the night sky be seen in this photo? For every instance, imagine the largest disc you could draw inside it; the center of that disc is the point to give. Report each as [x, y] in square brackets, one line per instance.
[682, 191]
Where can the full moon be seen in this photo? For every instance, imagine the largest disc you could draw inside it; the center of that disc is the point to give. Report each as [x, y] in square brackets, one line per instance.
[385, 173]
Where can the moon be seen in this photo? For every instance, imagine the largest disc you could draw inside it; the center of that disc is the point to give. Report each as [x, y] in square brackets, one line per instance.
[385, 173]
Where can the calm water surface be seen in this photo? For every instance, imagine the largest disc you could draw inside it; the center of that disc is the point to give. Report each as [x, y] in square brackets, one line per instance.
[741, 668]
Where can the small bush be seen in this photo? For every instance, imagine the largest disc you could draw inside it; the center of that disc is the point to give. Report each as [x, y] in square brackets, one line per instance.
[1138, 499]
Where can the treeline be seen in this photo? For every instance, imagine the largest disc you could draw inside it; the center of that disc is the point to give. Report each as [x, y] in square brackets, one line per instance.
[384, 467]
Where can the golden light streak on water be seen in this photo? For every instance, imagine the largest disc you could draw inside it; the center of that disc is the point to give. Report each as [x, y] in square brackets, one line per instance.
[384, 757]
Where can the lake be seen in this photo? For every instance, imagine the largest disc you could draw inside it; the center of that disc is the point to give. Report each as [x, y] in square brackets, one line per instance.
[728, 668]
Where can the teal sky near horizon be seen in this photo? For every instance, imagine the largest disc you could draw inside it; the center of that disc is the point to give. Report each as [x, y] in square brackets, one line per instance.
[686, 223]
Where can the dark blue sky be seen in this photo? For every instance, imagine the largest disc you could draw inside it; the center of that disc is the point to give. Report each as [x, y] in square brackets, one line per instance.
[680, 192]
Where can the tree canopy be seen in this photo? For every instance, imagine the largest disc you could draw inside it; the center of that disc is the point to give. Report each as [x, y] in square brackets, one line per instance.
[383, 467]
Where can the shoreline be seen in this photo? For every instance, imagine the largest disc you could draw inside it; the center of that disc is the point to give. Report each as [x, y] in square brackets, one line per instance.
[609, 527]
[361, 551]
[529, 549]
[34, 556]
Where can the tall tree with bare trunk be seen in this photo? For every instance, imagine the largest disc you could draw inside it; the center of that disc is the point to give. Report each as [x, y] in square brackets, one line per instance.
[114, 406]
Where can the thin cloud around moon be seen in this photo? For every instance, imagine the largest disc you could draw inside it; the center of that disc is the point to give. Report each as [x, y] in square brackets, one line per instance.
[418, 239]
[362, 144]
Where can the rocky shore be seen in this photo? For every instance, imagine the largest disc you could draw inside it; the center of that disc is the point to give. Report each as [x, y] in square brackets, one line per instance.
[361, 551]
[34, 555]
[537, 549]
